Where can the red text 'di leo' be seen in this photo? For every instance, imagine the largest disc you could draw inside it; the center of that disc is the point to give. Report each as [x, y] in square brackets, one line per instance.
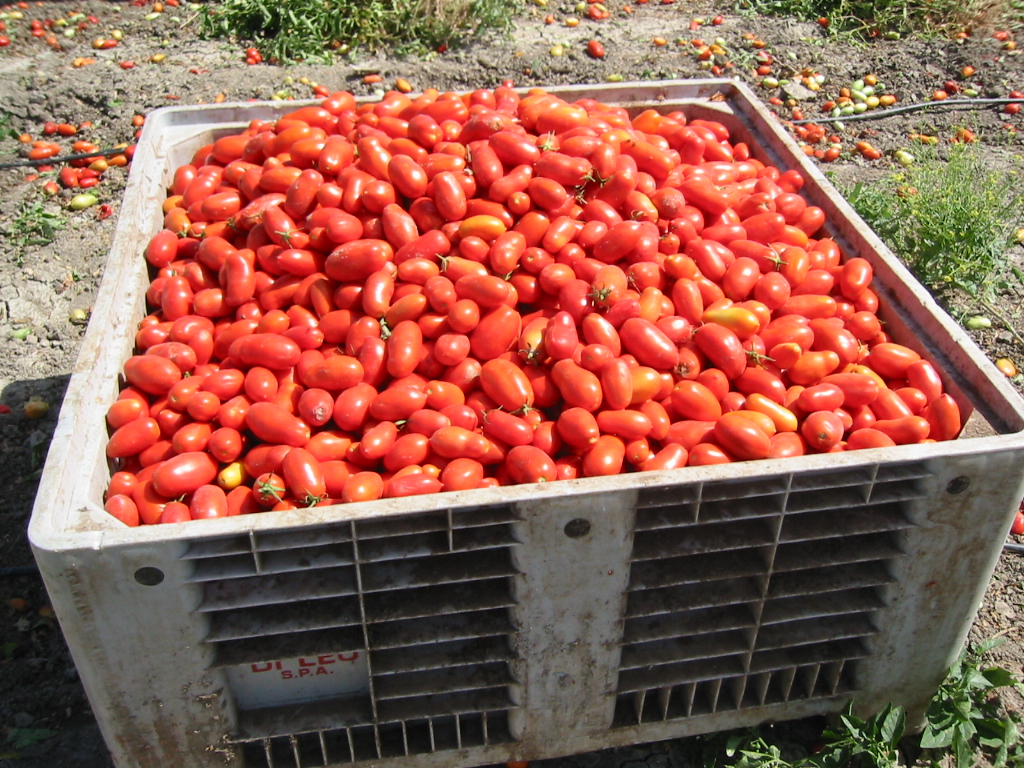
[306, 666]
[305, 678]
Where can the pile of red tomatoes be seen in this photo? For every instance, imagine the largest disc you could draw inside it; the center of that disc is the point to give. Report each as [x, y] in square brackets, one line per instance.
[449, 292]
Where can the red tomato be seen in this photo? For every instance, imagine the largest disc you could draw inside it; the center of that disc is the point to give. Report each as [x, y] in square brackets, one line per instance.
[705, 454]
[578, 386]
[578, 428]
[149, 503]
[412, 485]
[377, 441]
[226, 444]
[184, 473]
[605, 457]
[191, 437]
[456, 442]
[830, 337]
[723, 348]
[627, 424]
[405, 346]
[363, 486]
[273, 424]
[397, 403]
[648, 344]
[943, 415]
[303, 476]
[560, 337]
[123, 411]
[528, 464]
[507, 428]
[496, 332]
[812, 367]
[175, 512]
[208, 501]
[741, 437]
[122, 483]
[821, 397]
[672, 456]
[855, 277]
[786, 444]
[923, 376]
[617, 384]
[461, 475]
[269, 350]
[867, 437]
[822, 430]
[692, 400]
[905, 430]
[151, 373]
[506, 384]
[762, 381]
[123, 508]
[133, 438]
[891, 360]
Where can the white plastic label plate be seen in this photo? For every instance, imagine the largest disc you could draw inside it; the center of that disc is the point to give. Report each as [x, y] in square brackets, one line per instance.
[308, 678]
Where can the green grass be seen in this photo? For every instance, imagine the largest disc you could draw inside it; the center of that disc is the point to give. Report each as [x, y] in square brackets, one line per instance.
[952, 222]
[926, 17]
[302, 30]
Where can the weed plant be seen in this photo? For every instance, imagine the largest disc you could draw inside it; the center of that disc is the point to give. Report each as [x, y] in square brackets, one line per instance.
[964, 721]
[34, 225]
[952, 221]
[301, 30]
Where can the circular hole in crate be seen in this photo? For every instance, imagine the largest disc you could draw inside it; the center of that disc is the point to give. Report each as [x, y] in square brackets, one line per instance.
[577, 528]
[958, 484]
[149, 576]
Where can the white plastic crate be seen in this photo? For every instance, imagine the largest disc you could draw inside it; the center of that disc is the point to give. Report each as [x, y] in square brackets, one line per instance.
[532, 621]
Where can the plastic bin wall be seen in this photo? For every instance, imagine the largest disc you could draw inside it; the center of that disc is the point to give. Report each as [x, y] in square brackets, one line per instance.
[531, 621]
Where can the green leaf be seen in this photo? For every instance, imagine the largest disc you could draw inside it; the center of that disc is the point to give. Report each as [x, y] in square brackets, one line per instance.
[964, 707]
[988, 645]
[936, 739]
[894, 724]
[831, 757]
[1010, 737]
[733, 743]
[962, 753]
[942, 719]
[966, 731]
[977, 679]
[998, 677]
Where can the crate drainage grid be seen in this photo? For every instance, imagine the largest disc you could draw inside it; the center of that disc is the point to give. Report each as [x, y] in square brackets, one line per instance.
[363, 640]
[749, 594]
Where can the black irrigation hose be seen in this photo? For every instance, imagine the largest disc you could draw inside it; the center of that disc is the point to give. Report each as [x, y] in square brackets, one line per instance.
[62, 159]
[1011, 547]
[878, 114]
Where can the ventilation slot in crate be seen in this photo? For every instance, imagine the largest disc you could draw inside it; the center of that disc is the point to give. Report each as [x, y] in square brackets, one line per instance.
[369, 639]
[365, 743]
[746, 595]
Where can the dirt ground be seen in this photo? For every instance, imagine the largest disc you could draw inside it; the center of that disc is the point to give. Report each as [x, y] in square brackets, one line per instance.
[45, 720]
